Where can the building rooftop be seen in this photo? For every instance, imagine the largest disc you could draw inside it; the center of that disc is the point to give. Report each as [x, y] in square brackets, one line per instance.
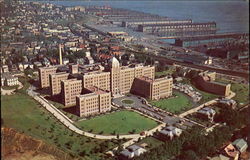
[134, 147]
[208, 37]
[176, 24]
[7, 76]
[126, 153]
[96, 90]
[241, 144]
[59, 73]
[220, 83]
[147, 79]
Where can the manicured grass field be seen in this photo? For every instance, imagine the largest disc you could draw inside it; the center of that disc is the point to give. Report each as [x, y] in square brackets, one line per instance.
[21, 112]
[174, 104]
[127, 101]
[121, 122]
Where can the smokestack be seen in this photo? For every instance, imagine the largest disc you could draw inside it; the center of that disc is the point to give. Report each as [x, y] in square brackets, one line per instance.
[60, 54]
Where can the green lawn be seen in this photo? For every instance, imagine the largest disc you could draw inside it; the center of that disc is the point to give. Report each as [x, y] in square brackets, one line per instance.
[21, 112]
[151, 141]
[174, 104]
[121, 122]
[164, 73]
[241, 90]
[127, 101]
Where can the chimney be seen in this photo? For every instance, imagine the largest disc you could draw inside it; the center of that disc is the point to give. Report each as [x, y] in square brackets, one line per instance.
[60, 54]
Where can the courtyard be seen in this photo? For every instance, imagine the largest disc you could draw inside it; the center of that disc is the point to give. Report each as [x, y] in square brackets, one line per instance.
[120, 122]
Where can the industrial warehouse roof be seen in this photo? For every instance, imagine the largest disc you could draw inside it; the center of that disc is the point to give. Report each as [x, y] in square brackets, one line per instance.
[176, 24]
[147, 20]
[210, 37]
[193, 59]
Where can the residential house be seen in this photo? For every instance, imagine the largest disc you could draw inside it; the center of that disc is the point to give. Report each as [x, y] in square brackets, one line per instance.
[231, 152]
[5, 68]
[169, 133]
[207, 112]
[132, 151]
[225, 102]
[241, 145]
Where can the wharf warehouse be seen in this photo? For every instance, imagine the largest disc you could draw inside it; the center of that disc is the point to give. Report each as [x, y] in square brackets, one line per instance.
[204, 40]
[122, 19]
[176, 27]
[135, 23]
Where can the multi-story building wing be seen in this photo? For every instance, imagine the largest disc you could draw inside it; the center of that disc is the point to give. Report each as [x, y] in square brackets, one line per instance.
[153, 89]
[149, 71]
[115, 76]
[161, 88]
[95, 101]
[70, 89]
[55, 82]
[44, 73]
[122, 77]
[127, 77]
[97, 79]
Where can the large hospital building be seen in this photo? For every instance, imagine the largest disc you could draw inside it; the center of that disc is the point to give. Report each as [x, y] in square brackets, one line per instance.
[91, 90]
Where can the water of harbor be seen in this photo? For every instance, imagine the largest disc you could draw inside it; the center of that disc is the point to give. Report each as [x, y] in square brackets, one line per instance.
[230, 16]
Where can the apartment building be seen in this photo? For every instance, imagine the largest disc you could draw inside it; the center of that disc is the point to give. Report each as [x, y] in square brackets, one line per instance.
[70, 89]
[44, 73]
[153, 89]
[94, 101]
[55, 82]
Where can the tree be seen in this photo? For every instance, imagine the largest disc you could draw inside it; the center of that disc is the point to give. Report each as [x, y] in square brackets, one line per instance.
[189, 155]
[83, 153]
